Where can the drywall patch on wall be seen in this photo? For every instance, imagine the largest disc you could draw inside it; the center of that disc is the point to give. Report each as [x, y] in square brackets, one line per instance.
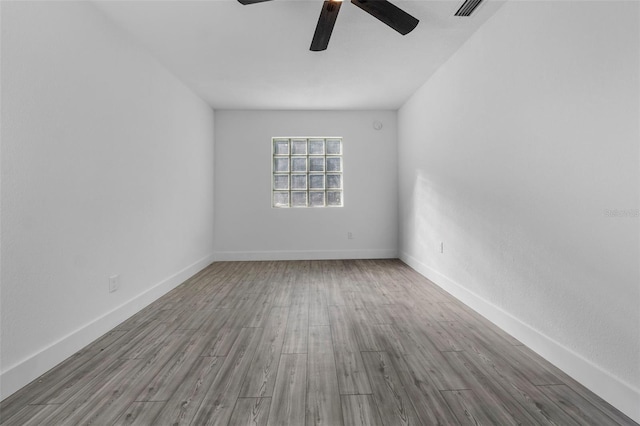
[107, 169]
[517, 154]
[247, 227]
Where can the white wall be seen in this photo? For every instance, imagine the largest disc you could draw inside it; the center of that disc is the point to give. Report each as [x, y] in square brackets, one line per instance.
[511, 155]
[107, 168]
[247, 227]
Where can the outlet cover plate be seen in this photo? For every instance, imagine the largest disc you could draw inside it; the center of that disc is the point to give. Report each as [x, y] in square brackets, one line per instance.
[114, 283]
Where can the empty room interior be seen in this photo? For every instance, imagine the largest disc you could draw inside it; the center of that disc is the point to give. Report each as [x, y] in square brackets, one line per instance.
[308, 212]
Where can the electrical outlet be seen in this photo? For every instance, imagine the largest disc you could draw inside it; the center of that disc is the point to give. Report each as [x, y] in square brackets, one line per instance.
[349, 235]
[114, 283]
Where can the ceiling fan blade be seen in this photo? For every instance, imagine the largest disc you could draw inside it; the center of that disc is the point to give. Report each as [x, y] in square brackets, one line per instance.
[388, 13]
[327, 20]
[246, 2]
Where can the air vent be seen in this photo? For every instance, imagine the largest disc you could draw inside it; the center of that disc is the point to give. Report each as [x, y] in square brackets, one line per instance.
[468, 7]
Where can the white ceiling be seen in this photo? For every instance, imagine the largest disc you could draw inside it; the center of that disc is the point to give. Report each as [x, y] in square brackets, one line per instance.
[258, 57]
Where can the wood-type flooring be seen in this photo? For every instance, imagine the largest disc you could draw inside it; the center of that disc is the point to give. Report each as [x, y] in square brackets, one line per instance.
[344, 342]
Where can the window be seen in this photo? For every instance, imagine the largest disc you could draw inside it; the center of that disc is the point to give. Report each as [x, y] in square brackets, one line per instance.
[307, 172]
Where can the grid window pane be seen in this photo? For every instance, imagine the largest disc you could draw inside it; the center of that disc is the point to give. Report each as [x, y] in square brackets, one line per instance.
[334, 198]
[307, 172]
[281, 165]
[316, 181]
[281, 199]
[334, 164]
[281, 182]
[316, 198]
[299, 147]
[334, 181]
[281, 147]
[334, 147]
[298, 198]
[316, 164]
[298, 181]
[299, 164]
[316, 146]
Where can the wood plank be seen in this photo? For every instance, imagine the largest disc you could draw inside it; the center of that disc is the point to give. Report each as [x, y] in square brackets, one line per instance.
[507, 372]
[151, 341]
[379, 314]
[556, 376]
[297, 332]
[221, 340]
[546, 373]
[261, 377]
[580, 410]
[434, 332]
[209, 333]
[99, 366]
[140, 414]
[475, 338]
[389, 314]
[323, 395]
[360, 410]
[77, 393]
[318, 312]
[300, 293]
[430, 406]
[360, 326]
[235, 299]
[288, 402]
[333, 284]
[352, 378]
[366, 295]
[426, 361]
[31, 415]
[165, 382]
[392, 401]
[52, 387]
[522, 400]
[389, 339]
[183, 404]
[250, 412]
[260, 311]
[194, 319]
[282, 294]
[218, 402]
[469, 316]
[470, 409]
[97, 390]
[295, 341]
[106, 405]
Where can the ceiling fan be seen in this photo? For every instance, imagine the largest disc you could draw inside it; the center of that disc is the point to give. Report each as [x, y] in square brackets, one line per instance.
[382, 10]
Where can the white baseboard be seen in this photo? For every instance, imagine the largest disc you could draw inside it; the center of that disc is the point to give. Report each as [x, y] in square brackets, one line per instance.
[22, 373]
[306, 255]
[621, 395]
